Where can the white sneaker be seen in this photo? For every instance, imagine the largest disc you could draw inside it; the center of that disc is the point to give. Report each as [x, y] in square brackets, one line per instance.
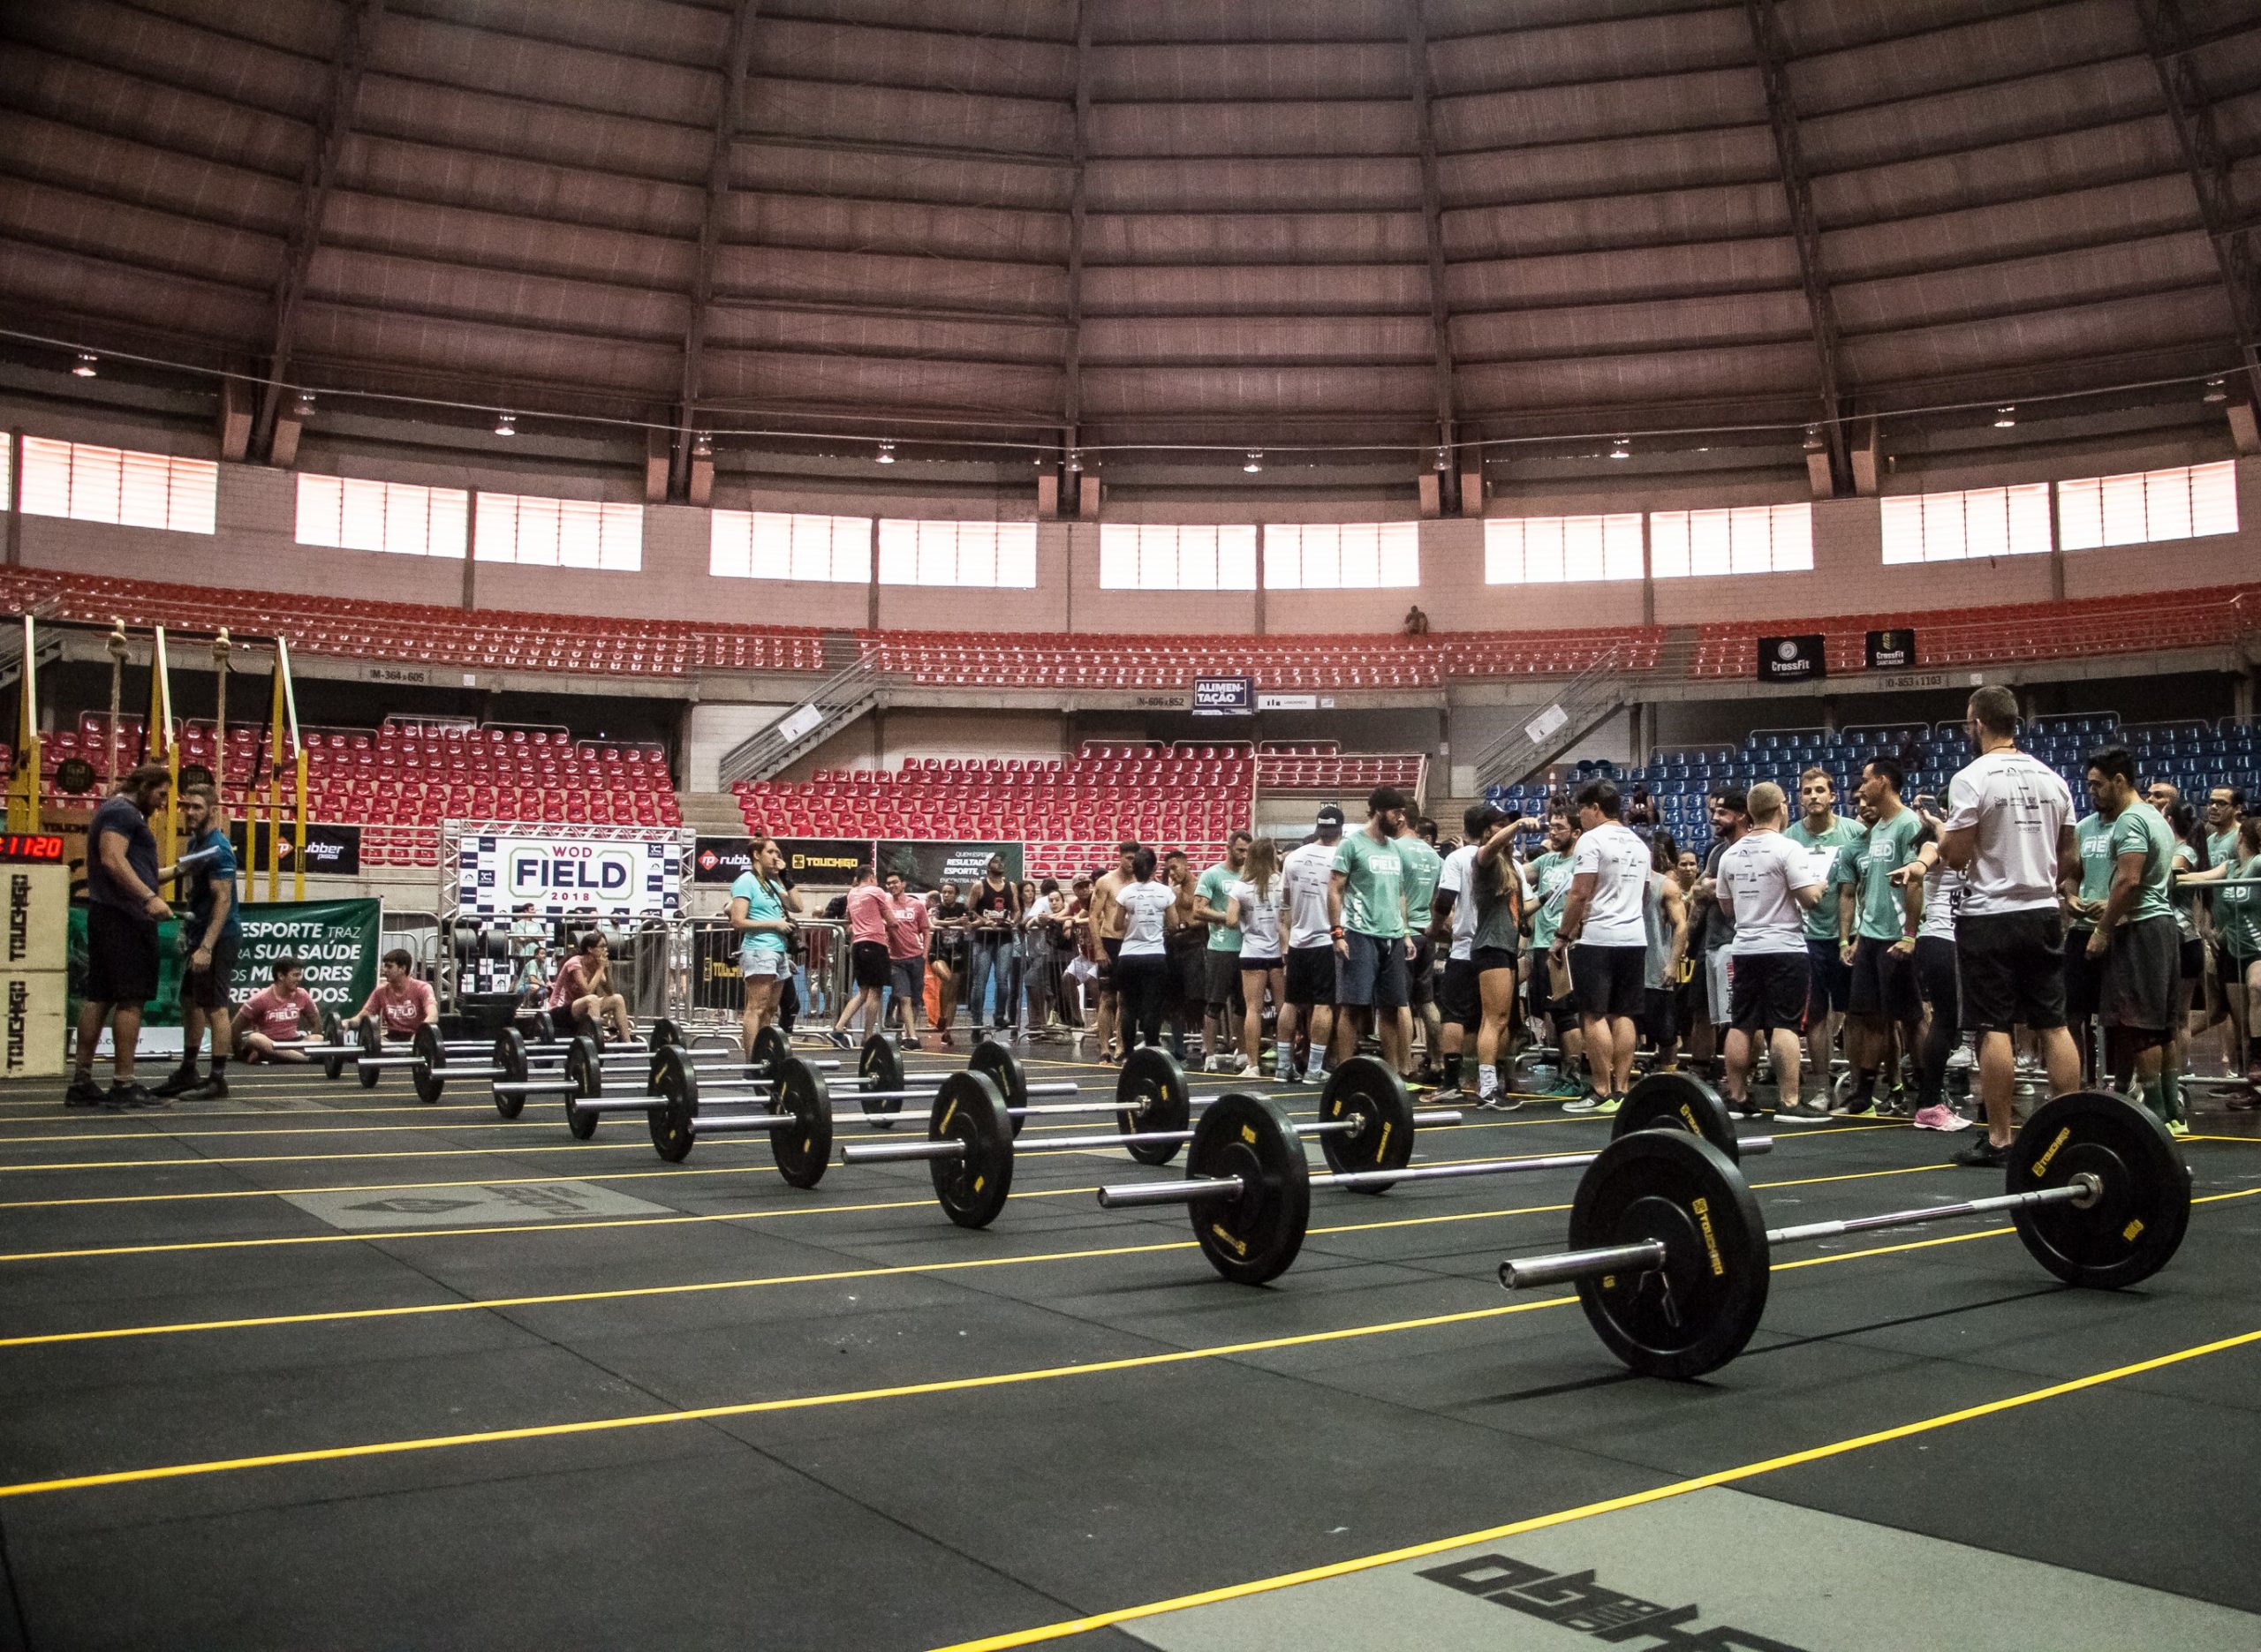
[1959, 1059]
[1240, 1064]
[1210, 1064]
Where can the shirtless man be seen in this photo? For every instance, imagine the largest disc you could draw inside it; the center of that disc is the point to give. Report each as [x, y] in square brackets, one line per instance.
[1106, 921]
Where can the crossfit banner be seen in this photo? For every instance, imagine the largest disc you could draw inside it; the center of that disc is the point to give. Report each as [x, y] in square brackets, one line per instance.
[721, 860]
[927, 866]
[332, 851]
[497, 875]
[333, 941]
[1792, 659]
[1891, 650]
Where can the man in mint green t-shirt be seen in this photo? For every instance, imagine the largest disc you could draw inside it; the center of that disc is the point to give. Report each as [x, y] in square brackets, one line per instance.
[1877, 919]
[1212, 905]
[1820, 831]
[2136, 937]
[1366, 909]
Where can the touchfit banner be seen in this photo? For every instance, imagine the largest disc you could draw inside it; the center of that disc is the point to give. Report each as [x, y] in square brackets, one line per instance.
[333, 941]
[497, 875]
[927, 866]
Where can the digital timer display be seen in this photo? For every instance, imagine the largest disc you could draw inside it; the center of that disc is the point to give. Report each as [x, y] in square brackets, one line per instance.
[42, 847]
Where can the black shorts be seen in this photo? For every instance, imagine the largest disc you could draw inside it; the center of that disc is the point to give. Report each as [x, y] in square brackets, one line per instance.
[1769, 992]
[2194, 958]
[121, 957]
[1310, 975]
[209, 989]
[1829, 980]
[1935, 977]
[1461, 999]
[1661, 1017]
[1110, 950]
[1884, 980]
[2083, 975]
[2142, 969]
[1608, 980]
[2013, 970]
[868, 960]
[1421, 973]
[1223, 984]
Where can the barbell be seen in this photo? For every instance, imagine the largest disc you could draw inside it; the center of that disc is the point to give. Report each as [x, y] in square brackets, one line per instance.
[427, 1049]
[1671, 1258]
[1373, 1121]
[581, 1081]
[1249, 1192]
[431, 1072]
[796, 1110]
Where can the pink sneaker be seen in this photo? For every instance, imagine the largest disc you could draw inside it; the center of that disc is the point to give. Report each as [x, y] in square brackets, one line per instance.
[1940, 1116]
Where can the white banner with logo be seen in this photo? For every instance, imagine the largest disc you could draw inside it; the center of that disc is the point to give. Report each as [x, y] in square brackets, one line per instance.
[498, 874]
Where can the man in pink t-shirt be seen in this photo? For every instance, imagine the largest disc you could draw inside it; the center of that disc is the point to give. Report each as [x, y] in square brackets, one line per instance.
[907, 929]
[276, 1016]
[401, 1003]
[867, 953]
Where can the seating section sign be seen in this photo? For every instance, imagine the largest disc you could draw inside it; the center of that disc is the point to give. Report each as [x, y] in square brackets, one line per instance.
[497, 875]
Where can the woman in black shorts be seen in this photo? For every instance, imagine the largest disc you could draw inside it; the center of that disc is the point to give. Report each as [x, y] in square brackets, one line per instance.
[946, 953]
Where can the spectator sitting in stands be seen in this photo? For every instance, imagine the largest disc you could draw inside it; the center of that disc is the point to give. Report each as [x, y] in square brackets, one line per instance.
[1417, 623]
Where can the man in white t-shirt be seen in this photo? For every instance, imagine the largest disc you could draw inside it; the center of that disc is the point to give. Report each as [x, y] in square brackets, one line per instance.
[2009, 831]
[1767, 882]
[1307, 875]
[1608, 944]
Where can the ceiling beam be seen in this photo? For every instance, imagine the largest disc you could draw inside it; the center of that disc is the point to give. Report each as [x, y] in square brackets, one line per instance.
[1772, 51]
[1417, 76]
[357, 37]
[2189, 109]
[738, 53]
[1072, 361]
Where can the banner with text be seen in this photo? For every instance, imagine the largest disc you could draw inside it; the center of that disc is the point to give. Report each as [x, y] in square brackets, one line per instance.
[927, 866]
[820, 860]
[1223, 697]
[1891, 650]
[497, 874]
[332, 850]
[1792, 659]
[334, 942]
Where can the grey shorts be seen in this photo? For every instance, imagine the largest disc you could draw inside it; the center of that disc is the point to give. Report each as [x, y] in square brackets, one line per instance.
[908, 977]
[1373, 972]
[1224, 979]
[2142, 969]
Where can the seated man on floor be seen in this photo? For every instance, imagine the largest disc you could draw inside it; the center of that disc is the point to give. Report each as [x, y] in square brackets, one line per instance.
[279, 1014]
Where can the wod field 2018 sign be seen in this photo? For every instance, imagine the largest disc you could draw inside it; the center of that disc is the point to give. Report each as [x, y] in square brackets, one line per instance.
[497, 875]
[333, 941]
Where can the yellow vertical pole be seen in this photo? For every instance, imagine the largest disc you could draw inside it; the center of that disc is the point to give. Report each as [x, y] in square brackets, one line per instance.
[299, 749]
[158, 746]
[24, 784]
[275, 740]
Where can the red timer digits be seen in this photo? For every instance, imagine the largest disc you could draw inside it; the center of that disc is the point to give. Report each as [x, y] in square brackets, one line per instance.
[18, 847]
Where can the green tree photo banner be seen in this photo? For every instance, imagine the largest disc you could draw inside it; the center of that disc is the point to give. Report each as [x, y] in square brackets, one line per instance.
[335, 940]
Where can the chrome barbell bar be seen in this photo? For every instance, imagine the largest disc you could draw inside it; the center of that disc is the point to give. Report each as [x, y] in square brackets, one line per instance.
[884, 1152]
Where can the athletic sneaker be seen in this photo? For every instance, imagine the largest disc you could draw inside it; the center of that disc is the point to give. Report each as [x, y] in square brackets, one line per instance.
[1852, 1107]
[1960, 1059]
[83, 1092]
[1564, 1090]
[2176, 1127]
[841, 1040]
[1291, 1074]
[214, 1089]
[1450, 1097]
[1609, 1106]
[1802, 1113]
[133, 1096]
[179, 1080]
[1238, 1065]
[1940, 1116]
[1588, 1101]
[1982, 1155]
[1503, 1101]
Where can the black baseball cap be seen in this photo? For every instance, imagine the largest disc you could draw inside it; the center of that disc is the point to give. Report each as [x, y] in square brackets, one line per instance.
[1330, 818]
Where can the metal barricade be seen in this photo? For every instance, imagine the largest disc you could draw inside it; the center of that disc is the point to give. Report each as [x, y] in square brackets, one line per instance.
[705, 993]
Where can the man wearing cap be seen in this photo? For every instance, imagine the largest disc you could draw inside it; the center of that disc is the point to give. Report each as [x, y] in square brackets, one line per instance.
[1307, 878]
[1366, 916]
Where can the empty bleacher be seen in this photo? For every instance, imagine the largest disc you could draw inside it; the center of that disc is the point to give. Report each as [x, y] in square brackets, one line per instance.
[1070, 812]
[1321, 766]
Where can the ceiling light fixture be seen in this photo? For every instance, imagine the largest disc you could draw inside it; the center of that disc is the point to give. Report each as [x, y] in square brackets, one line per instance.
[702, 446]
[1254, 462]
[1074, 460]
[887, 453]
[506, 425]
[305, 410]
[1622, 450]
[85, 368]
[2005, 418]
[1813, 438]
[2216, 391]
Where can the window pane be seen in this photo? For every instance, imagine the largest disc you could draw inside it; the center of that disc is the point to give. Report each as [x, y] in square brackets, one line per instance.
[1583, 557]
[1017, 556]
[1943, 527]
[1543, 551]
[498, 527]
[1750, 547]
[1668, 545]
[1119, 556]
[1710, 542]
[144, 479]
[851, 550]
[1283, 558]
[408, 519]
[2214, 498]
[2123, 510]
[977, 553]
[1361, 556]
[1986, 522]
[361, 515]
[95, 482]
[898, 552]
[1322, 558]
[1503, 561]
[1793, 533]
[2029, 507]
[937, 554]
[193, 502]
[2166, 505]
[1400, 553]
[730, 535]
[2080, 513]
[321, 503]
[1236, 558]
[1196, 559]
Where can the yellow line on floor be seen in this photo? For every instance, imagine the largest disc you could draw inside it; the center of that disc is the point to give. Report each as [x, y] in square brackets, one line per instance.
[1006, 1379]
[632, 1293]
[1609, 1505]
